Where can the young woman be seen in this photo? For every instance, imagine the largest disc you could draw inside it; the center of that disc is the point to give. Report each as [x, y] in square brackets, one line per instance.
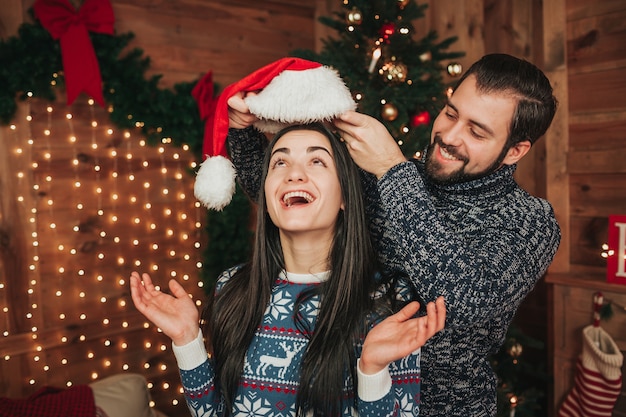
[306, 328]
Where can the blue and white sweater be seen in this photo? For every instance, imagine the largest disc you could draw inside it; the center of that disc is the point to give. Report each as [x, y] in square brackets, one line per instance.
[270, 377]
[482, 244]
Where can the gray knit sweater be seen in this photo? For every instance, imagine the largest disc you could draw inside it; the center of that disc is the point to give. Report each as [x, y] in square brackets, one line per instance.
[482, 244]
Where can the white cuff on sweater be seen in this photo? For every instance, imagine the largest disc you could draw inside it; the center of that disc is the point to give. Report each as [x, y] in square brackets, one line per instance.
[191, 355]
[373, 387]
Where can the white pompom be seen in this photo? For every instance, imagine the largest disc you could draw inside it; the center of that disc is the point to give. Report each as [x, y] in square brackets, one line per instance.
[215, 182]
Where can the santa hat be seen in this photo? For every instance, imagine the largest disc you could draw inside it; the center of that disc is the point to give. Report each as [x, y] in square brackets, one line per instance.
[289, 91]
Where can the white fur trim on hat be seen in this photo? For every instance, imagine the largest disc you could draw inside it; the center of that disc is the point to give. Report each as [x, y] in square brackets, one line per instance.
[215, 182]
[305, 96]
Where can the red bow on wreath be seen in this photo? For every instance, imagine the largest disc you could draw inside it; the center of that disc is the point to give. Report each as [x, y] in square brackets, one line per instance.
[80, 65]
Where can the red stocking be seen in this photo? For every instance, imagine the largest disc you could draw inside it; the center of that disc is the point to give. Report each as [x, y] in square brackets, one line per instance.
[598, 377]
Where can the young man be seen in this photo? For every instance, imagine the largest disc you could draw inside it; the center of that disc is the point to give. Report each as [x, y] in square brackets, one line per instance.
[456, 222]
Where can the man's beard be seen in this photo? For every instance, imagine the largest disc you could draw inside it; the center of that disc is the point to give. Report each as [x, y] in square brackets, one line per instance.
[433, 167]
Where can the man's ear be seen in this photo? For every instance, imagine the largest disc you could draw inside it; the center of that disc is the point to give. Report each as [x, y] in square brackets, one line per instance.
[516, 152]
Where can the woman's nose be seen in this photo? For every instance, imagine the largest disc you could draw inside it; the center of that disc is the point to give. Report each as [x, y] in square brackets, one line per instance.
[296, 173]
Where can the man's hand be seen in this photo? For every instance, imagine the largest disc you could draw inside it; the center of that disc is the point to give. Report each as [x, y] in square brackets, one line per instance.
[239, 116]
[369, 143]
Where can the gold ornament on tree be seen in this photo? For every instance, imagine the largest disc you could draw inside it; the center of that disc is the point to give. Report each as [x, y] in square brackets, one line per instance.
[454, 69]
[389, 112]
[394, 71]
[515, 350]
[402, 3]
[354, 17]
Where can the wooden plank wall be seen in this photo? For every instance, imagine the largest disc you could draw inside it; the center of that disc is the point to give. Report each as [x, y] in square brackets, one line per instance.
[591, 181]
[596, 63]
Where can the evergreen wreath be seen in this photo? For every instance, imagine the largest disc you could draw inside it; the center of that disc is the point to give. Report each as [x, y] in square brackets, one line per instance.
[134, 102]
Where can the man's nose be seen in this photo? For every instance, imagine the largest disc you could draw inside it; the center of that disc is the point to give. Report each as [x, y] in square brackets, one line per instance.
[453, 136]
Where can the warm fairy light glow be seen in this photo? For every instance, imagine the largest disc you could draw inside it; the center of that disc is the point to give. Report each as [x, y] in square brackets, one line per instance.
[606, 251]
[101, 203]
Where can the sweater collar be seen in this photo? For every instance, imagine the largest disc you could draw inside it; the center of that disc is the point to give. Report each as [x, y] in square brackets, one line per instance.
[495, 184]
[304, 278]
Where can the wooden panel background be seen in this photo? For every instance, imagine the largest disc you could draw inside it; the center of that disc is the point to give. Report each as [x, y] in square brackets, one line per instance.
[595, 172]
[597, 151]
[578, 167]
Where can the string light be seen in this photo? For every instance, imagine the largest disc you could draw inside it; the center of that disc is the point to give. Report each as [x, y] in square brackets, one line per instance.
[90, 192]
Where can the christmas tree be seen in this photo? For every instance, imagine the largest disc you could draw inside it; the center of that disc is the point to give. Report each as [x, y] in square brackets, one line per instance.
[522, 380]
[394, 77]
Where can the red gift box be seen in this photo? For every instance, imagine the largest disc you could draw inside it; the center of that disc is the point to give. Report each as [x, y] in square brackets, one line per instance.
[616, 261]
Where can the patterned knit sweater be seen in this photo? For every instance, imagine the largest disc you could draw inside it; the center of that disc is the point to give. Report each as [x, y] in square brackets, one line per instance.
[482, 244]
[270, 377]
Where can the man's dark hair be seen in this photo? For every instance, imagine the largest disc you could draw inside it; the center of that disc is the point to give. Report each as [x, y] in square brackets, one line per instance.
[536, 104]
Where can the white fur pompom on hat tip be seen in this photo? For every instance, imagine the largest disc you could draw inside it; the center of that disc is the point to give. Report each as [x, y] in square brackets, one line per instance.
[215, 182]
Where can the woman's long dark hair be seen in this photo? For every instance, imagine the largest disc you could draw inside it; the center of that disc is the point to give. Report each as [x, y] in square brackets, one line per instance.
[345, 297]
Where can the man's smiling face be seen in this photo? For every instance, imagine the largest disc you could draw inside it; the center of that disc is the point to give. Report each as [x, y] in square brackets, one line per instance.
[469, 136]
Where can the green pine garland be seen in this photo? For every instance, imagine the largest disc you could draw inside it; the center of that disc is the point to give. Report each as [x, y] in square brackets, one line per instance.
[135, 102]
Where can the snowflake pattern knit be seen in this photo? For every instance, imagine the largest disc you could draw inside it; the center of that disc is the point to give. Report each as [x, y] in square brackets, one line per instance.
[270, 377]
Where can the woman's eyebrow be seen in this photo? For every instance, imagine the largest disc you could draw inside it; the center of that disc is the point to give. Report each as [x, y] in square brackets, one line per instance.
[281, 150]
[310, 149]
[317, 148]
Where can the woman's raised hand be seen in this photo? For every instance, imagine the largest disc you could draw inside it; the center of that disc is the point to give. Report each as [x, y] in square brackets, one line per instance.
[176, 315]
[401, 334]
